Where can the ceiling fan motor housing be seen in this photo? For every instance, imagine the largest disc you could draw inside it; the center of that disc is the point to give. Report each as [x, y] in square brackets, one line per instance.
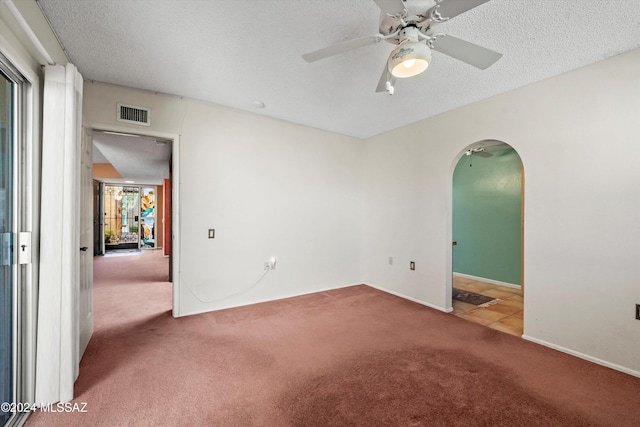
[416, 15]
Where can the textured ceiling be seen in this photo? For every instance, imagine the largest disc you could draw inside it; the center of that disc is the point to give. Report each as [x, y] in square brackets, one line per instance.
[137, 158]
[234, 53]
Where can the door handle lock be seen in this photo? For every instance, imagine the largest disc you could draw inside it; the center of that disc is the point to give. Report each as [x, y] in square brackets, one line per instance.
[84, 248]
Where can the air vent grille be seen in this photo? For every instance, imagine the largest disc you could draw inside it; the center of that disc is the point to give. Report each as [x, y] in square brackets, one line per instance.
[131, 114]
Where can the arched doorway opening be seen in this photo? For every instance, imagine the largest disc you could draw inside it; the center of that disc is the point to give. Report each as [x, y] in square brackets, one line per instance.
[487, 236]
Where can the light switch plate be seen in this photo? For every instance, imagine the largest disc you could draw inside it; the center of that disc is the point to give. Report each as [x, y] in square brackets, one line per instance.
[212, 233]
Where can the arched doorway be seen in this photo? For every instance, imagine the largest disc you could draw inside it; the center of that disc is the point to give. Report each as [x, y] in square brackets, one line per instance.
[487, 236]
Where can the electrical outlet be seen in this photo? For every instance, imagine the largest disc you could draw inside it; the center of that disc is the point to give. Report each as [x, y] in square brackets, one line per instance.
[266, 266]
[638, 311]
[412, 265]
[272, 263]
[390, 260]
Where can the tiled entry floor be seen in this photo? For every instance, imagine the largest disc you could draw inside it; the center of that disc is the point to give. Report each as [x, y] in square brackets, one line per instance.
[505, 316]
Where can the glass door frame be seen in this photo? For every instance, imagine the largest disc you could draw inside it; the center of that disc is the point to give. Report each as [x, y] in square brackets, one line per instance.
[22, 291]
[139, 217]
[118, 214]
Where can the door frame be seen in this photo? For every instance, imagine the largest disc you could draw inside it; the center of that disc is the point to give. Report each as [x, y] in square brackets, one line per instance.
[25, 210]
[174, 257]
[103, 197]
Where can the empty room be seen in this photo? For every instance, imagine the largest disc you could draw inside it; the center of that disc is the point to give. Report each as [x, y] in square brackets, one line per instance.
[362, 212]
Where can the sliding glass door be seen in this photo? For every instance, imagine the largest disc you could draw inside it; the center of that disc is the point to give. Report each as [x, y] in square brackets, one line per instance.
[15, 248]
[7, 233]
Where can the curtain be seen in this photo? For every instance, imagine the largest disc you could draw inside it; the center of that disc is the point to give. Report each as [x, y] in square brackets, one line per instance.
[57, 353]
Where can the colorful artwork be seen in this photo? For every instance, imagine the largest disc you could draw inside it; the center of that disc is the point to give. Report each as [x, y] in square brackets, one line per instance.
[148, 235]
[147, 214]
[148, 202]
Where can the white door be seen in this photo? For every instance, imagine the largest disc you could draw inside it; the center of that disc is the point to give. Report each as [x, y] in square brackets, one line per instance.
[85, 297]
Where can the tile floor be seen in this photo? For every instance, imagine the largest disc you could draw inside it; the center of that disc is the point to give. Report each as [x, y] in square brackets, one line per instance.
[505, 315]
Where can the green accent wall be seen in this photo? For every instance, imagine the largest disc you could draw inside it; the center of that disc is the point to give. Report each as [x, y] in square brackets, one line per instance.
[487, 203]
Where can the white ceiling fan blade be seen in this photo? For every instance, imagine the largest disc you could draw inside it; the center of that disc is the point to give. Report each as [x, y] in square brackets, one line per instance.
[452, 8]
[481, 154]
[497, 147]
[478, 56]
[340, 48]
[384, 78]
[392, 7]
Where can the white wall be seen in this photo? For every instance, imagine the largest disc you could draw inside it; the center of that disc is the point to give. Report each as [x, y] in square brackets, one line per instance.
[271, 188]
[577, 135]
[333, 209]
[268, 188]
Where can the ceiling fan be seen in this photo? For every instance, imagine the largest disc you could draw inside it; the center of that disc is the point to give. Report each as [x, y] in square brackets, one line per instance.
[480, 152]
[411, 26]
[485, 151]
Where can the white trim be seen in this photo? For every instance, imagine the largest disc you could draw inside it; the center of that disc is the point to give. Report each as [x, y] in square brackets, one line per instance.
[435, 307]
[583, 356]
[19, 57]
[483, 279]
[209, 310]
[403, 296]
[176, 230]
[29, 32]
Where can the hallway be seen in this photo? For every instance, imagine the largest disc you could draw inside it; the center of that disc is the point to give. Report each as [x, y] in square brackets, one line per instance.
[140, 276]
[131, 299]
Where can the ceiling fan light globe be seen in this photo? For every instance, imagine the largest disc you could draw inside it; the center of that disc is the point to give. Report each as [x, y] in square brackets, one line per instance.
[409, 63]
[404, 70]
[409, 59]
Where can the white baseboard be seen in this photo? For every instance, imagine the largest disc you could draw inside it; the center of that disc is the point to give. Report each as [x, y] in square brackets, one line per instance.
[484, 279]
[225, 307]
[583, 356]
[437, 307]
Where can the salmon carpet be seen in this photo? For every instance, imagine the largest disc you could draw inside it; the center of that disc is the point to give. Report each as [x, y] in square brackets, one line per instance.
[354, 356]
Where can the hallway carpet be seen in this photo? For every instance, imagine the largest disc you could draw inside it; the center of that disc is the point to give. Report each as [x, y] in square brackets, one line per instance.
[354, 356]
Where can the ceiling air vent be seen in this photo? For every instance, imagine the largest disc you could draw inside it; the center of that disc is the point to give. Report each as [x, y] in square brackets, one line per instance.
[131, 114]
